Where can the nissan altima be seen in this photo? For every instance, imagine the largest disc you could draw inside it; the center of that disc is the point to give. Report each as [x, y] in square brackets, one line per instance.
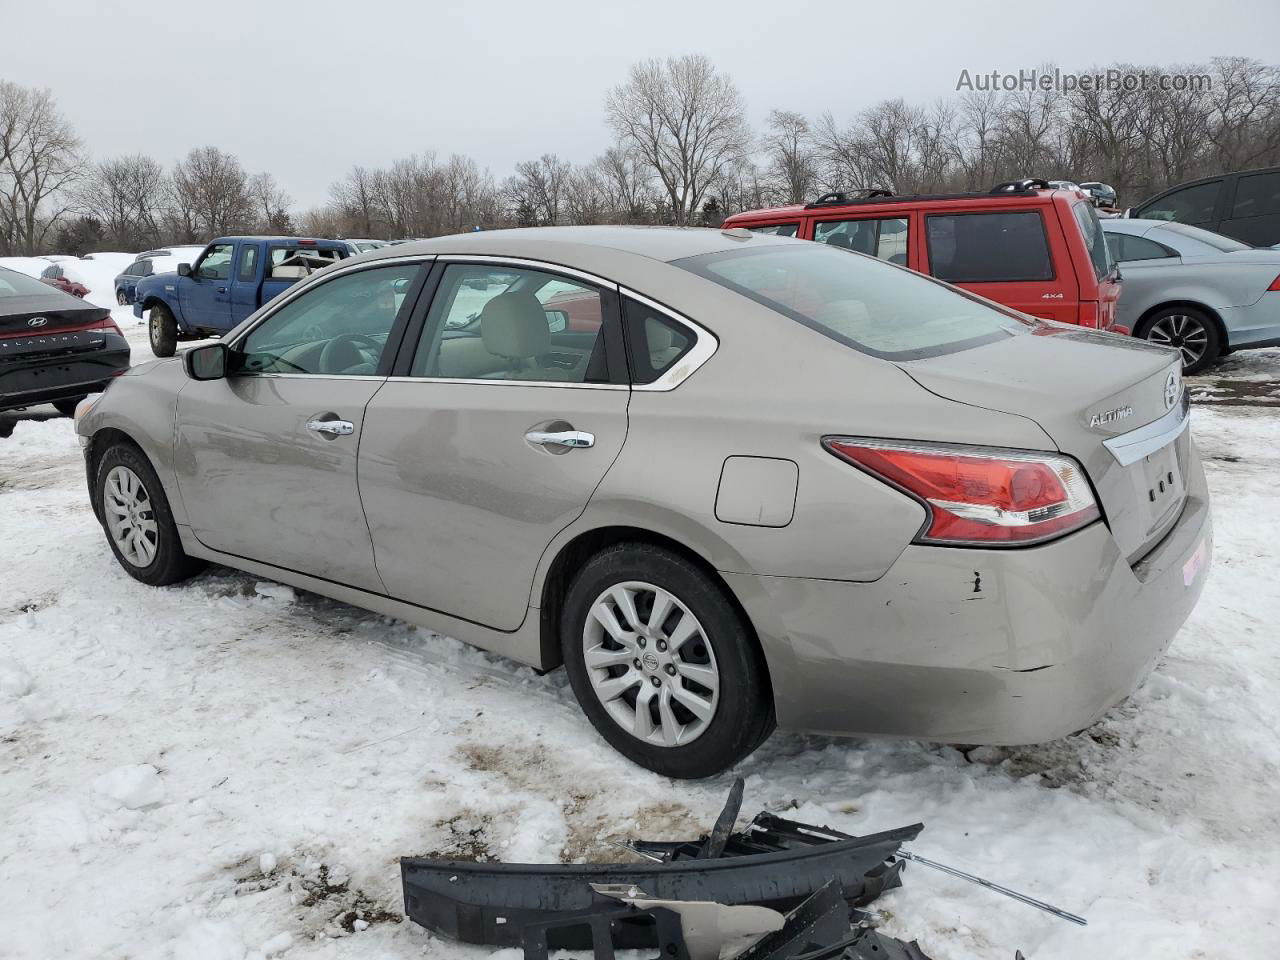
[730, 481]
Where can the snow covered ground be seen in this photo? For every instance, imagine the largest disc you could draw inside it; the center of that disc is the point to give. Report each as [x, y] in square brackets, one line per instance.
[229, 770]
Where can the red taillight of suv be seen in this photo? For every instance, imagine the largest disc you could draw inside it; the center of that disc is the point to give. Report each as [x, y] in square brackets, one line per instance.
[979, 496]
[1275, 285]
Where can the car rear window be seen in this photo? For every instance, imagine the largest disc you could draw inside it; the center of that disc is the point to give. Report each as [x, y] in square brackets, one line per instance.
[874, 307]
[1095, 240]
[14, 284]
[1215, 240]
[988, 247]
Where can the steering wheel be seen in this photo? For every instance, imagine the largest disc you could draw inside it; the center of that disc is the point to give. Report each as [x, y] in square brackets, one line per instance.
[343, 352]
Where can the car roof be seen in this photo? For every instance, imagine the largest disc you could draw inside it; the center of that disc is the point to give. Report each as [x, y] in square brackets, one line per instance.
[940, 200]
[270, 239]
[663, 244]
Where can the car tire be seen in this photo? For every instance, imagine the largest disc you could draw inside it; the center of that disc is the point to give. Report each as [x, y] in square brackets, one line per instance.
[162, 330]
[135, 516]
[67, 407]
[637, 689]
[122, 298]
[1189, 330]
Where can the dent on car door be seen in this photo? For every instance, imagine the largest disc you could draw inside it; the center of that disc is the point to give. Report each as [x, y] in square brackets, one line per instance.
[500, 423]
[267, 456]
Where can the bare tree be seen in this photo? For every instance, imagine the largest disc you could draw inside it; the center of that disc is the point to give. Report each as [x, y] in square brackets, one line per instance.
[127, 196]
[627, 184]
[685, 120]
[538, 186]
[211, 190]
[355, 197]
[39, 161]
[793, 159]
[272, 204]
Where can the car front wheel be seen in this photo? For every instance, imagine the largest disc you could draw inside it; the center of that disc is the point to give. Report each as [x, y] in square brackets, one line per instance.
[136, 517]
[163, 331]
[1189, 331]
[122, 298]
[662, 663]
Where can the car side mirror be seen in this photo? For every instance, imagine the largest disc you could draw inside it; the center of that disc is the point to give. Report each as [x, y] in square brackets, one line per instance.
[184, 269]
[208, 362]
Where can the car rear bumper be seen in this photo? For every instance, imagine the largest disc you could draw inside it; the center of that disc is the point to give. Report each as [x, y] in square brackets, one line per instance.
[979, 646]
[24, 383]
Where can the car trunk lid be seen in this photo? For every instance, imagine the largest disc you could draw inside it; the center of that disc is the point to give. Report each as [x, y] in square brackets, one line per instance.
[35, 326]
[1102, 399]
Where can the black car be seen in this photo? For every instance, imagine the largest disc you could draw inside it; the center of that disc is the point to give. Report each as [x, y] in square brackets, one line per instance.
[54, 348]
[1244, 205]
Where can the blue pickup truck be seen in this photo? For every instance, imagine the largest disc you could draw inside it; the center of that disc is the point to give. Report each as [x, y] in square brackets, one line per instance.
[231, 279]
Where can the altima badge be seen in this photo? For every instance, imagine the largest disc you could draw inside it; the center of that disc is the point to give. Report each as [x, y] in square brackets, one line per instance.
[1110, 416]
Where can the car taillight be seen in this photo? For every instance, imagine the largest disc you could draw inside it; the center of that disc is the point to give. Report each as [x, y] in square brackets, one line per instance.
[982, 496]
[108, 323]
[1275, 285]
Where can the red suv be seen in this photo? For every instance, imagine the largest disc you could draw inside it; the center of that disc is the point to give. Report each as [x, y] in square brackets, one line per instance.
[1038, 250]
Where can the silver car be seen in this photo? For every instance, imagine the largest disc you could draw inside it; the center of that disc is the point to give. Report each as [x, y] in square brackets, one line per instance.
[1195, 290]
[729, 481]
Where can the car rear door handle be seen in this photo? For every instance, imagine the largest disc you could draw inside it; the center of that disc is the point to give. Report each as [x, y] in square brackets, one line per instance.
[562, 438]
[337, 428]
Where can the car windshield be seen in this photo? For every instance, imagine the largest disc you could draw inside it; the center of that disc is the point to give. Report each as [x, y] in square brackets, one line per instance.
[1208, 237]
[874, 307]
[14, 284]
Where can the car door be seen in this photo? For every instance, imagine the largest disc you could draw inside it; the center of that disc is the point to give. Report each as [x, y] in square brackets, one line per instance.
[1145, 265]
[500, 422]
[1254, 213]
[267, 456]
[206, 294]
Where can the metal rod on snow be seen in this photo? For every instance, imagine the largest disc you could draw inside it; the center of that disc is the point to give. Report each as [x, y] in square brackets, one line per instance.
[1020, 897]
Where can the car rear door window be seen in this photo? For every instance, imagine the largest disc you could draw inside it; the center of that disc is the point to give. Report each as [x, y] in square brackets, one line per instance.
[505, 324]
[883, 238]
[1194, 204]
[1257, 195]
[337, 328]
[988, 247]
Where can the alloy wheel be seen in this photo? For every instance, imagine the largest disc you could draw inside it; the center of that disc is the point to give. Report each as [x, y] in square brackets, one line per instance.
[130, 517]
[1184, 332]
[651, 664]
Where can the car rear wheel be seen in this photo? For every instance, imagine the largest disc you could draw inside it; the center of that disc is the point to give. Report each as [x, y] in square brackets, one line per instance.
[67, 407]
[137, 520]
[662, 663]
[163, 331]
[121, 298]
[1188, 330]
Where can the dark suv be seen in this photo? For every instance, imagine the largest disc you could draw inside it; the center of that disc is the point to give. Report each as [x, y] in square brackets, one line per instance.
[1038, 250]
[1244, 205]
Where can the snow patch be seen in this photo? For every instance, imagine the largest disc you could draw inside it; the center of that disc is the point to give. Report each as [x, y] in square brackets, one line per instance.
[132, 787]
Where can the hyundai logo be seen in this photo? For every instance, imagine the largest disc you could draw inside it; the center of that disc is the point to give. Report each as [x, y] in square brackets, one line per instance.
[37, 321]
[1171, 390]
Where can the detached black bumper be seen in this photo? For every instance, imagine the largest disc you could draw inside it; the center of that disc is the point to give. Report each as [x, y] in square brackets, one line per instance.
[25, 381]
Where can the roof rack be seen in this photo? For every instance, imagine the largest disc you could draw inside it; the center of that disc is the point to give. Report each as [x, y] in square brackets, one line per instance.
[1010, 188]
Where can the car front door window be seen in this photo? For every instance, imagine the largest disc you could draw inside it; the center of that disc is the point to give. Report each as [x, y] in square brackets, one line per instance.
[338, 328]
[216, 263]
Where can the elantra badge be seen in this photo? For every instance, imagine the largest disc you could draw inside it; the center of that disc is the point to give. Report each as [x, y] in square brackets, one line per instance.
[1104, 417]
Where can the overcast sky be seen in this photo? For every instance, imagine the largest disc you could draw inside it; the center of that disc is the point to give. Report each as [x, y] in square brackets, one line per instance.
[306, 88]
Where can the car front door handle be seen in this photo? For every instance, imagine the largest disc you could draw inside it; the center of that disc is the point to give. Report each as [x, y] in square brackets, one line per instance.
[337, 428]
[562, 438]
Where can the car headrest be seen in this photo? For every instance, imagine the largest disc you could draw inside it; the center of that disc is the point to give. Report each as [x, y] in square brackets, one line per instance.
[514, 325]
